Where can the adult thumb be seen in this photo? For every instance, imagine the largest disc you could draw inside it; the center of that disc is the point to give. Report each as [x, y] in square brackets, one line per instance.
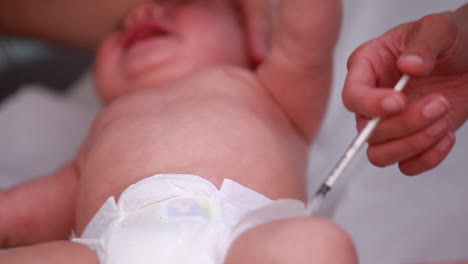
[429, 38]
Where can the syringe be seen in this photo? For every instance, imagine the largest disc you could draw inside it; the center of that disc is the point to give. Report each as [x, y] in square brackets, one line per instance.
[314, 204]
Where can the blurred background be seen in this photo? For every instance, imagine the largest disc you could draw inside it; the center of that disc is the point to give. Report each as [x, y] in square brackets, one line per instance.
[25, 61]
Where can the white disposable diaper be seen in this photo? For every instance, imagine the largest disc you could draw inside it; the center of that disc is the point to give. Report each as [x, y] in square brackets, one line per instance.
[179, 219]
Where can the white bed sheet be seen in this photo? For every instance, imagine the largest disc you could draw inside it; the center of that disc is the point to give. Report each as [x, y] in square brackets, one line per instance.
[40, 130]
[392, 218]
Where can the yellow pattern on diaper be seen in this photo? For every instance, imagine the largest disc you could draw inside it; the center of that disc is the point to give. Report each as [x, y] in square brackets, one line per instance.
[173, 210]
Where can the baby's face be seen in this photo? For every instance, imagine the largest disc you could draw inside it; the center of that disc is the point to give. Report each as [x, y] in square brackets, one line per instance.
[162, 41]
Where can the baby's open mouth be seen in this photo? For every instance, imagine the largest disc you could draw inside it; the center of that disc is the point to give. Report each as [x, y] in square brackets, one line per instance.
[143, 32]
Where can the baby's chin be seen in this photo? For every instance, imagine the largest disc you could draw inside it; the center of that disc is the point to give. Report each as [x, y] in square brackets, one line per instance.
[111, 88]
[109, 91]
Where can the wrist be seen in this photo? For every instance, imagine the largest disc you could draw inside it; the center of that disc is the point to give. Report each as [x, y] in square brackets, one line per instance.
[461, 17]
[463, 10]
[5, 219]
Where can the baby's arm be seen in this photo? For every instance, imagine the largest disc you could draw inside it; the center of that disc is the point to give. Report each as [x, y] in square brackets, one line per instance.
[298, 69]
[39, 210]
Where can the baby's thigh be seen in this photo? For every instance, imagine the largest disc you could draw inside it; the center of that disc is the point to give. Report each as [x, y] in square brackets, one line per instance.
[295, 240]
[60, 252]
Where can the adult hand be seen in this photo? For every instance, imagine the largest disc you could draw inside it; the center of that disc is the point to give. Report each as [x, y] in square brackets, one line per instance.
[78, 23]
[92, 20]
[419, 130]
[3, 221]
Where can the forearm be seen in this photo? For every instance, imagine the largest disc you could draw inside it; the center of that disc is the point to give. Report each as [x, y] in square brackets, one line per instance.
[298, 70]
[47, 20]
[40, 210]
[460, 19]
[463, 11]
[462, 15]
[303, 94]
[308, 30]
[81, 23]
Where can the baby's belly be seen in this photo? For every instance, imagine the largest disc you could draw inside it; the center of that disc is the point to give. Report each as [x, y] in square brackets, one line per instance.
[222, 129]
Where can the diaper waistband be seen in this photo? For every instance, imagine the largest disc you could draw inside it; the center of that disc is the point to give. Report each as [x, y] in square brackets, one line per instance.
[161, 187]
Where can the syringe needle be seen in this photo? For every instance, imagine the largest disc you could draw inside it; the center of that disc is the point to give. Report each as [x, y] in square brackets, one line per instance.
[314, 204]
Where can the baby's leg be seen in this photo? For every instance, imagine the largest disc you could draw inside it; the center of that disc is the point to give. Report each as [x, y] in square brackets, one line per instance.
[60, 252]
[297, 240]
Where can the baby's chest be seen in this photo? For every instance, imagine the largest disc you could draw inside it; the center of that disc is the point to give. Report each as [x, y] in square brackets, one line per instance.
[207, 119]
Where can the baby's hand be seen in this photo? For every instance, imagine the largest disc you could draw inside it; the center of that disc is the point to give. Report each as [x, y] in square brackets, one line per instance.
[419, 131]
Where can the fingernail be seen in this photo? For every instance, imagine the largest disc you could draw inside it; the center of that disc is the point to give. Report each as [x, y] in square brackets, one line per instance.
[413, 58]
[437, 128]
[392, 104]
[435, 107]
[445, 143]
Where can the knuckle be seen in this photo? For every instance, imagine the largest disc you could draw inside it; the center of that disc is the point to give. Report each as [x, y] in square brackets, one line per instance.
[369, 106]
[396, 127]
[437, 129]
[418, 143]
[437, 19]
[439, 24]
[358, 53]
[347, 98]
[348, 103]
[361, 122]
[352, 100]
[352, 58]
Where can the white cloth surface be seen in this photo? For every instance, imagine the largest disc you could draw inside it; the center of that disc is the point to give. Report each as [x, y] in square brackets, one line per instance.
[179, 219]
[40, 130]
[392, 218]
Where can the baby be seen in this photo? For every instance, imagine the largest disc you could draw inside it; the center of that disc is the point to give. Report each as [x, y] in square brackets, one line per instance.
[199, 155]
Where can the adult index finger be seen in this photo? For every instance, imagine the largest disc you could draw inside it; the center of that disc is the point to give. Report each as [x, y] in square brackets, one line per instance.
[361, 94]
